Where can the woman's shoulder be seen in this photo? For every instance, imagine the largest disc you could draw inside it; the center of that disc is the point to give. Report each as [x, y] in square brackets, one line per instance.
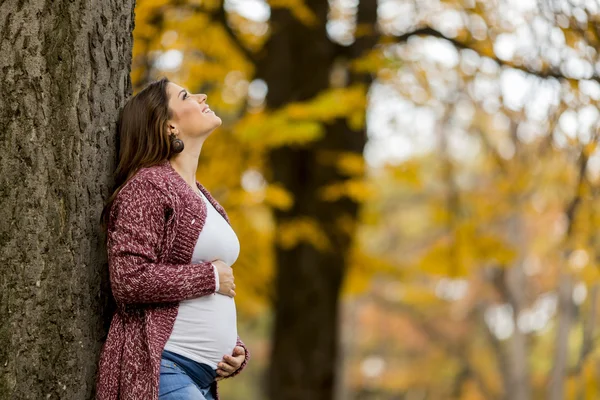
[150, 183]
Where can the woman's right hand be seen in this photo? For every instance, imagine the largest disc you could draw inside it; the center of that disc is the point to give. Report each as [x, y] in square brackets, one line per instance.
[226, 284]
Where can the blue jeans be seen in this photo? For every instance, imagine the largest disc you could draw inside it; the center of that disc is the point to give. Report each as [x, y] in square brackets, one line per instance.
[175, 384]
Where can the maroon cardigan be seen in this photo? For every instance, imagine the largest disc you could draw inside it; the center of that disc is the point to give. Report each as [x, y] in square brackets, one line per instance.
[153, 227]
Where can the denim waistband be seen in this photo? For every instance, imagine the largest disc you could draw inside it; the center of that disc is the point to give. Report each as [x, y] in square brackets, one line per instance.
[203, 375]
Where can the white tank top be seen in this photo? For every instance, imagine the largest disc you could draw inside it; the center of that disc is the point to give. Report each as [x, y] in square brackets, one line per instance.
[206, 327]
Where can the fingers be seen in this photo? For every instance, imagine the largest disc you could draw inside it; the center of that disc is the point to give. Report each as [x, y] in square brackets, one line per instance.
[222, 374]
[230, 364]
[231, 361]
[226, 367]
[230, 292]
[235, 361]
[225, 277]
[239, 350]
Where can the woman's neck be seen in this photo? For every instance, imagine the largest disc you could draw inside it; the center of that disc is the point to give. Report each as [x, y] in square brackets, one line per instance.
[186, 165]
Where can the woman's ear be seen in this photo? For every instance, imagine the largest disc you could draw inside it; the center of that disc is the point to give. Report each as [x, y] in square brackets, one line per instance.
[171, 129]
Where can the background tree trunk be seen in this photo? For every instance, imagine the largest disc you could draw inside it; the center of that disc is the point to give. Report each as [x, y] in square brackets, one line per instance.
[308, 281]
[64, 75]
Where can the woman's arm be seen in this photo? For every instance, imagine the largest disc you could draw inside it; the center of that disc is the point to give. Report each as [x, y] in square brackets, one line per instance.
[134, 235]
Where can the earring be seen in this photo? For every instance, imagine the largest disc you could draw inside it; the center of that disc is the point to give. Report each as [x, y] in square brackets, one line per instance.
[176, 144]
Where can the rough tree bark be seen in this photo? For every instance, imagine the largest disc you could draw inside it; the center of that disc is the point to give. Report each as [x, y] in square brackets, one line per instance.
[64, 75]
[305, 337]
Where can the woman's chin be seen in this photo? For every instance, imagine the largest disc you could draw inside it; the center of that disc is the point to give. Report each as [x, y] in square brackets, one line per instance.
[210, 128]
[215, 119]
[217, 123]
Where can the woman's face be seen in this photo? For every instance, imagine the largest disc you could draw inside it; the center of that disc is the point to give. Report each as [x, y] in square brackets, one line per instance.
[191, 115]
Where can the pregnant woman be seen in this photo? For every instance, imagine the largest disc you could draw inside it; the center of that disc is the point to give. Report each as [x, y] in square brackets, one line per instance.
[170, 251]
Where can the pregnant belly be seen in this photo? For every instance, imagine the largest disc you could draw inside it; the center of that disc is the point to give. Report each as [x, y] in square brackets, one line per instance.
[205, 329]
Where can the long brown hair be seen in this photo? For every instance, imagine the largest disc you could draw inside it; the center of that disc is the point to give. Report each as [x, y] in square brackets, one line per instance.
[141, 136]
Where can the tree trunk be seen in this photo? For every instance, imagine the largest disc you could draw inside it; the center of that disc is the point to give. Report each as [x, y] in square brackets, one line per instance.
[64, 77]
[566, 315]
[519, 376]
[305, 336]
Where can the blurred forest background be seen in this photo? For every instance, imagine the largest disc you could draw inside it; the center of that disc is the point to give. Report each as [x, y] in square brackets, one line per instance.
[414, 184]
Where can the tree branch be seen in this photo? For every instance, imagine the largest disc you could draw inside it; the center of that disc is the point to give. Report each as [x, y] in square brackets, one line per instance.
[221, 16]
[472, 45]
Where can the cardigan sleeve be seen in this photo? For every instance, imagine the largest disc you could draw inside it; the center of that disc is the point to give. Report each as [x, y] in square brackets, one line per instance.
[134, 236]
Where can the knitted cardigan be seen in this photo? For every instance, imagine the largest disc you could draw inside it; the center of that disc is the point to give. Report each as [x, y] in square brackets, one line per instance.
[153, 227]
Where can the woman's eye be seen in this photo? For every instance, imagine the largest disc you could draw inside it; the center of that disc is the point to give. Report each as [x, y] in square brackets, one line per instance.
[185, 95]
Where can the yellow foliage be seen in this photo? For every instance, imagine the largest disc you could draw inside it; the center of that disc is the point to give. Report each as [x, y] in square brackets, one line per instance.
[423, 296]
[480, 357]
[361, 267]
[440, 260]
[461, 251]
[254, 268]
[356, 120]
[470, 391]
[371, 62]
[299, 124]
[346, 224]
[278, 197]
[330, 104]
[303, 229]
[351, 164]
[275, 130]
[571, 37]
[359, 190]
[590, 274]
[364, 29]
[356, 281]
[346, 162]
[298, 9]
[571, 386]
[590, 148]
[406, 173]
[205, 71]
[486, 48]
[589, 377]
[145, 12]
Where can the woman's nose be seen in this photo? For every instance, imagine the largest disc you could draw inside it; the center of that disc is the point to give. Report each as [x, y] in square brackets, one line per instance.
[202, 97]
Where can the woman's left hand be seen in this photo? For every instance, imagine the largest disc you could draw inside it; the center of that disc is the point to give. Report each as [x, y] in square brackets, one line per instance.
[231, 363]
